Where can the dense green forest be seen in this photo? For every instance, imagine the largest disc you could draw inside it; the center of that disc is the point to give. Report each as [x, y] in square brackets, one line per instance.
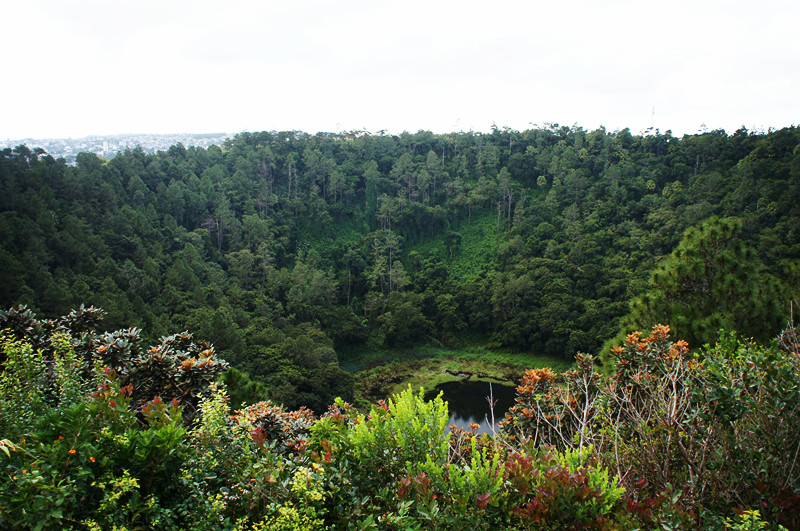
[672, 261]
[288, 250]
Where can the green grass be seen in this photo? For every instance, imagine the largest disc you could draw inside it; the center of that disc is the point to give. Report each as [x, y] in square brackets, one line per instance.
[478, 247]
[475, 252]
[383, 372]
[331, 236]
[481, 353]
[359, 358]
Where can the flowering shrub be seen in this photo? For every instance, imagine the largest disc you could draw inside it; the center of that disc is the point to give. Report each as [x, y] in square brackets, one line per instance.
[556, 410]
[667, 440]
[686, 433]
[287, 430]
[178, 368]
[654, 414]
[94, 462]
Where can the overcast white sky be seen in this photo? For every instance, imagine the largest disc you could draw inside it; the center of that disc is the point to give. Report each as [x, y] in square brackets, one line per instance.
[72, 69]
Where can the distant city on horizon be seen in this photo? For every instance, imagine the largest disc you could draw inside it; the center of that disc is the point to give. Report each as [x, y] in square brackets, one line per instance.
[110, 145]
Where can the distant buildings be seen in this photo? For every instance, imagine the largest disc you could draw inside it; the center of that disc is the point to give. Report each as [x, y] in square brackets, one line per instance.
[109, 146]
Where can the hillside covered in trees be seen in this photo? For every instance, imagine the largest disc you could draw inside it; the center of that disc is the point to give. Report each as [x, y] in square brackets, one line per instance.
[288, 250]
[672, 261]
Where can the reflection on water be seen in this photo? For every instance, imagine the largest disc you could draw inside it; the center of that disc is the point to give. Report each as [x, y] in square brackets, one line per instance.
[468, 402]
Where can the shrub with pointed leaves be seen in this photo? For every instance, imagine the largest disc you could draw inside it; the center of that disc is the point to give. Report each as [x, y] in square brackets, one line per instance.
[178, 368]
[288, 430]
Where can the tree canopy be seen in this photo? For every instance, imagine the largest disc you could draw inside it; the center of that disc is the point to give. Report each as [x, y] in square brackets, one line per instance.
[286, 249]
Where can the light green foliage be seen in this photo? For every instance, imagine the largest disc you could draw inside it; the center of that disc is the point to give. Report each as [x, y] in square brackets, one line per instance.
[289, 519]
[476, 249]
[8, 447]
[67, 366]
[310, 490]
[117, 493]
[23, 385]
[214, 412]
[407, 430]
[598, 477]
[31, 385]
[363, 456]
[482, 474]
[223, 456]
[748, 521]
[306, 485]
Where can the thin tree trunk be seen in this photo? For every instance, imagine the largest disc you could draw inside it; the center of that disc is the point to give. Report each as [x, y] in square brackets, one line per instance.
[499, 212]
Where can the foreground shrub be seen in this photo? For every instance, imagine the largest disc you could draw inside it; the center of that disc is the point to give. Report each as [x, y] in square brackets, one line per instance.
[94, 463]
[97, 448]
[561, 411]
[691, 436]
[394, 469]
[363, 456]
[31, 387]
[177, 368]
[286, 430]
[569, 490]
[516, 489]
[244, 476]
[669, 440]
[752, 419]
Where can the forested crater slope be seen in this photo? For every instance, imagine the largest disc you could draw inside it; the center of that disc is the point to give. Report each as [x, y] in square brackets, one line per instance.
[290, 251]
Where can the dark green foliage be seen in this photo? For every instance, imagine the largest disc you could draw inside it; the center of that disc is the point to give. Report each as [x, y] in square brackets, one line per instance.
[754, 409]
[538, 239]
[298, 366]
[241, 389]
[402, 321]
[713, 280]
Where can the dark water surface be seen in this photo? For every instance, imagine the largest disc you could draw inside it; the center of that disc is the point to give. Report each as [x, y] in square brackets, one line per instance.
[468, 402]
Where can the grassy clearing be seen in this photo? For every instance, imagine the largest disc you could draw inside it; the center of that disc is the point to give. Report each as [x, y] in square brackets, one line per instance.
[473, 254]
[478, 247]
[327, 238]
[381, 373]
[372, 354]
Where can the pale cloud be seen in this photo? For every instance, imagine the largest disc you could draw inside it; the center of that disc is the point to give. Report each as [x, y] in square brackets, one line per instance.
[91, 67]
